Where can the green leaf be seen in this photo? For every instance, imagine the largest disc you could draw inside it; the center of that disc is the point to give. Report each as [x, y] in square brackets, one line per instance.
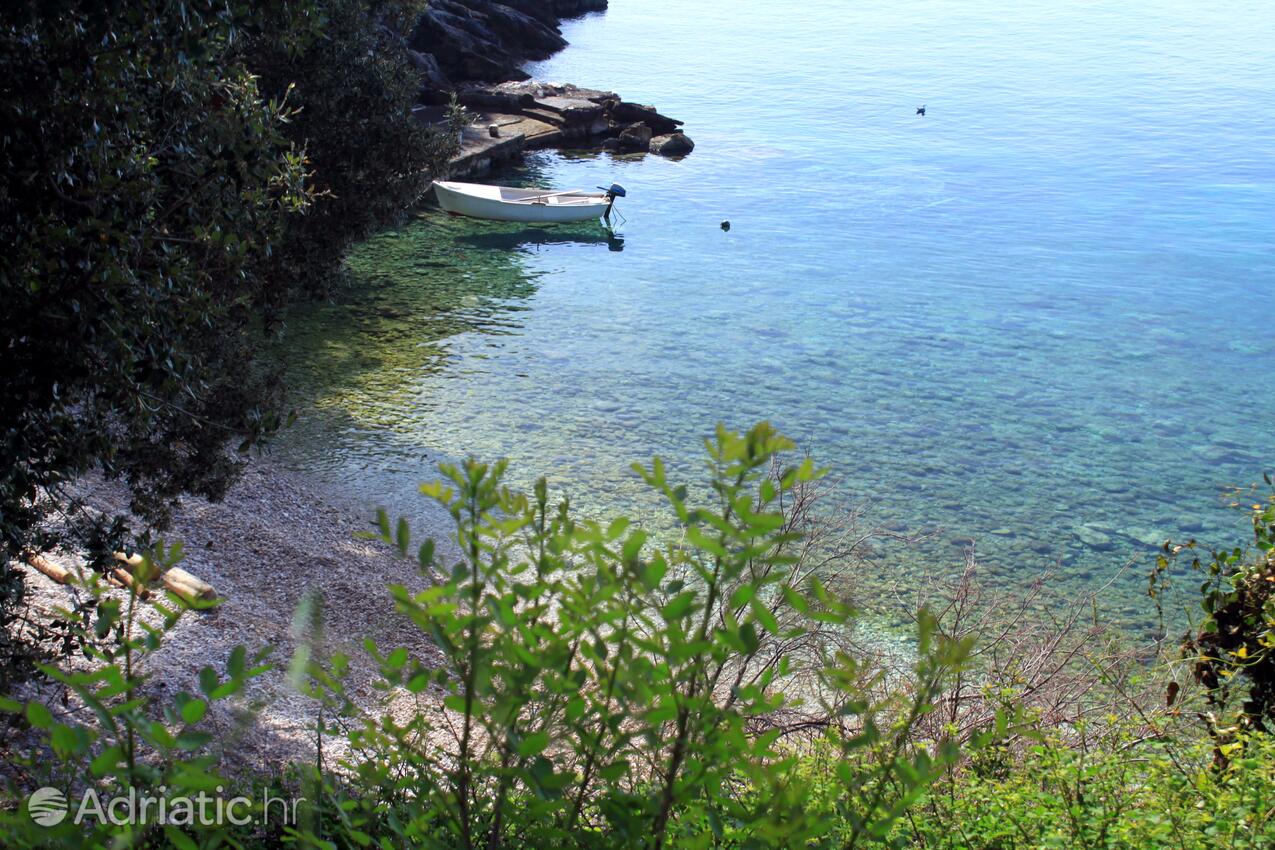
[106, 761]
[613, 771]
[179, 839]
[617, 527]
[191, 740]
[402, 536]
[743, 595]
[533, 744]
[237, 663]
[633, 547]
[702, 541]
[194, 711]
[39, 716]
[765, 617]
[679, 606]
[748, 634]
[208, 679]
[65, 740]
[661, 714]
[654, 573]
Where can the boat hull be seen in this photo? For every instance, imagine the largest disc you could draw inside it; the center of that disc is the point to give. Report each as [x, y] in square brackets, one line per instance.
[551, 209]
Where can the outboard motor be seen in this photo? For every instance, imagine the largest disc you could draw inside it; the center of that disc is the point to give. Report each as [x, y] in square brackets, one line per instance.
[615, 191]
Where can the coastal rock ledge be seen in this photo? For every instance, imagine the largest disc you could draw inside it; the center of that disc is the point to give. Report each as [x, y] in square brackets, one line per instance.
[474, 50]
[513, 117]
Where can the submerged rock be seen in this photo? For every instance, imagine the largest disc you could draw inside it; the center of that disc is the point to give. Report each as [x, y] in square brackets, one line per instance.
[672, 144]
[1093, 538]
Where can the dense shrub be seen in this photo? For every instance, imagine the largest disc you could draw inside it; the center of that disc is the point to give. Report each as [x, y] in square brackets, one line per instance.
[1125, 793]
[1232, 648]
[604, 691]
[599, 690]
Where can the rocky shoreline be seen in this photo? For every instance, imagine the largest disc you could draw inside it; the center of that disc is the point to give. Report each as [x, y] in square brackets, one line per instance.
[514, 117]
[472, 52]
[455, 42]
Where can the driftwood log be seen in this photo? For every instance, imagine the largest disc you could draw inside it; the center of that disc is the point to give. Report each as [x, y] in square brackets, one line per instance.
[63, 575]
[57, 572]
[175, 579]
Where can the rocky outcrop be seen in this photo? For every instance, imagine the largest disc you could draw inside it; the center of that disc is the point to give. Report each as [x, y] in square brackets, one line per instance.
[488, 41]
[635, 137]
[432, 76]
[634, 112]
[474, 50]
[551, 115]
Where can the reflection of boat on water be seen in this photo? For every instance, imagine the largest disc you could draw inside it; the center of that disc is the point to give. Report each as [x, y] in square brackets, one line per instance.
[541, 206]
[524, 237]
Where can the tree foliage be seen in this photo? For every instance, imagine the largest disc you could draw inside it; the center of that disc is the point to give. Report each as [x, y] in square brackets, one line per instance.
[145, 182]
[173, 173]
[353, 90]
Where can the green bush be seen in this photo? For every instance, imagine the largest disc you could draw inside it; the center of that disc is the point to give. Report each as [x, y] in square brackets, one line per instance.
[603, 689]
[1232, 649]
[598, 689]
[1126, 793]
[130, 742]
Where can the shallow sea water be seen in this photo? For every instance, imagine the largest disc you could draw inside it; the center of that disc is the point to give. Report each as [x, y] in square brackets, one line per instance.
[1041, 318]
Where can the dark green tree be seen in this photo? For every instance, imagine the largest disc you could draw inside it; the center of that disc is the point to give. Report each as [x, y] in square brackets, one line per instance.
[353, 89]
[145, 181]
[173, 173]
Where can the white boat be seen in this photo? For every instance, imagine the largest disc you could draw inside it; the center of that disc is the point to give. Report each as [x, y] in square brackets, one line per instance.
[503, 203]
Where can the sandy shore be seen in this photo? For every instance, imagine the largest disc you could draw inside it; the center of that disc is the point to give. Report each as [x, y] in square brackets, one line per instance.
[276, 537]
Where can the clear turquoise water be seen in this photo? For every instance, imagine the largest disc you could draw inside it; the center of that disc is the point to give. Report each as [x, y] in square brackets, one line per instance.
[1049, 303]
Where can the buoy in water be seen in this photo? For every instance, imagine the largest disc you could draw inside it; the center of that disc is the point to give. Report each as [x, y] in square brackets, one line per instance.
[725, 225]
